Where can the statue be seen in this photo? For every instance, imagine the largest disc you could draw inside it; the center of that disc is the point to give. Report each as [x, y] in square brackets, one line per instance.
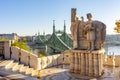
[89, 35]
[81, 26]
[90, 30]
[74, 27]
[100, 34]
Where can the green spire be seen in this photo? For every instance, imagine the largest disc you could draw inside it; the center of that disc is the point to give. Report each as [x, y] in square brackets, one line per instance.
[53, 26]
[64, 26]
[38, 33]
[44, 33]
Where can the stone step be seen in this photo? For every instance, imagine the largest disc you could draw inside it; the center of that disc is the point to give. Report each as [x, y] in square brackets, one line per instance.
[1, 61]
[34, 73]
[17, 67]
[29, 71]
[23, 69]
[11, 65]
[6, 63]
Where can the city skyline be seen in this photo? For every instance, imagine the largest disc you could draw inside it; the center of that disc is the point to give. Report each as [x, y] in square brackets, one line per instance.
[27, 17]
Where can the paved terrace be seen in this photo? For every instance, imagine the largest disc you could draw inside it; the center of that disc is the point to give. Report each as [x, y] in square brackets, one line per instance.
[60, 72]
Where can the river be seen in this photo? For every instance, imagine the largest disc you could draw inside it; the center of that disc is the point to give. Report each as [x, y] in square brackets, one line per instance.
[112, 49]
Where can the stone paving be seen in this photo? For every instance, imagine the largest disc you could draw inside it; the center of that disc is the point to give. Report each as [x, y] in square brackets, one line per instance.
[60, 72]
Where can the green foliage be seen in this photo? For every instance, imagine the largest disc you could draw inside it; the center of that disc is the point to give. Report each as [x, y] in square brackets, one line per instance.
[42, 53]
[3, 38]
[21, 45]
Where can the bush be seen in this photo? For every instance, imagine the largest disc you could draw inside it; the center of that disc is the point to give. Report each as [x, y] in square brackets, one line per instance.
[22, 45]
[4, 38]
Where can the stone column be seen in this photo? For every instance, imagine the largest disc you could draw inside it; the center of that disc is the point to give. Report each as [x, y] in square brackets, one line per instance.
[90, 65]
[95, 61]
[72, 63]
[83, 64]
[87, 63]
[79, 64]
[100, 62]
[76, 62]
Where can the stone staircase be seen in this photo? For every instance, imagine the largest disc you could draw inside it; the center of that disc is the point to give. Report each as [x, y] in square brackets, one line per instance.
[15, 67]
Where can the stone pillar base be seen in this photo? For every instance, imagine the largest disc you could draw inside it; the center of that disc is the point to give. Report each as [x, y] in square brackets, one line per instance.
[87, 63]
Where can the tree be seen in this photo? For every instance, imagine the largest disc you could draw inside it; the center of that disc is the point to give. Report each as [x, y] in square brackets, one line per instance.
[117, 28]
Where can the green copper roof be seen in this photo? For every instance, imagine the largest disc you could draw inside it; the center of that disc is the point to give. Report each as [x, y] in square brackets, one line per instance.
[56, 43]
[38, 39]
[67, 39]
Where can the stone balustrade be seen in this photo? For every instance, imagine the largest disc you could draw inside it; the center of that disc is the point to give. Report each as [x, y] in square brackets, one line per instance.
[53, 60]
[34, 61]
[111, 60]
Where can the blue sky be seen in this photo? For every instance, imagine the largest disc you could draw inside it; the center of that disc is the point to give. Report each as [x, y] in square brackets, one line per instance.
[27, 17]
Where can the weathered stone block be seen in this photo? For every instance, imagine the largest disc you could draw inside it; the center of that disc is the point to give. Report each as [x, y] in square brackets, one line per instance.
[44, 61]
[24, 57]
[60, 58]
[55, 60]
[66, 55]
[7, 45]
[34, 61]
[15, 53]
[50, 63]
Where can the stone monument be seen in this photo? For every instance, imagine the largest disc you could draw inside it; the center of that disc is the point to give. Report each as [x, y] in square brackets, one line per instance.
[88, 42]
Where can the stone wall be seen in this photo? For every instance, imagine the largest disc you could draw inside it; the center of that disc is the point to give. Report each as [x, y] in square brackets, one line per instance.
[7, 45]
[5, 48]
[33, 61]
[66, 56]
[44, 62]
[52, 60]
[111, 60]
[117, 60]
[15, 53]
[49, 61]
[24, 57]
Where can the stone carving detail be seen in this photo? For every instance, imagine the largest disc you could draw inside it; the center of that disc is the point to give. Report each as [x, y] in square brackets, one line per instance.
[87, 35]
[74, 27]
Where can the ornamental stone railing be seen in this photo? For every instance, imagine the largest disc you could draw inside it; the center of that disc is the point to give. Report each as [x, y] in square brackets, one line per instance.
[111, 60]
[35, 62]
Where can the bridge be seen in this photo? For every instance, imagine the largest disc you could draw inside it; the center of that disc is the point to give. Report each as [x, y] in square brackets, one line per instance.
[64, 42]
[55, 42]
